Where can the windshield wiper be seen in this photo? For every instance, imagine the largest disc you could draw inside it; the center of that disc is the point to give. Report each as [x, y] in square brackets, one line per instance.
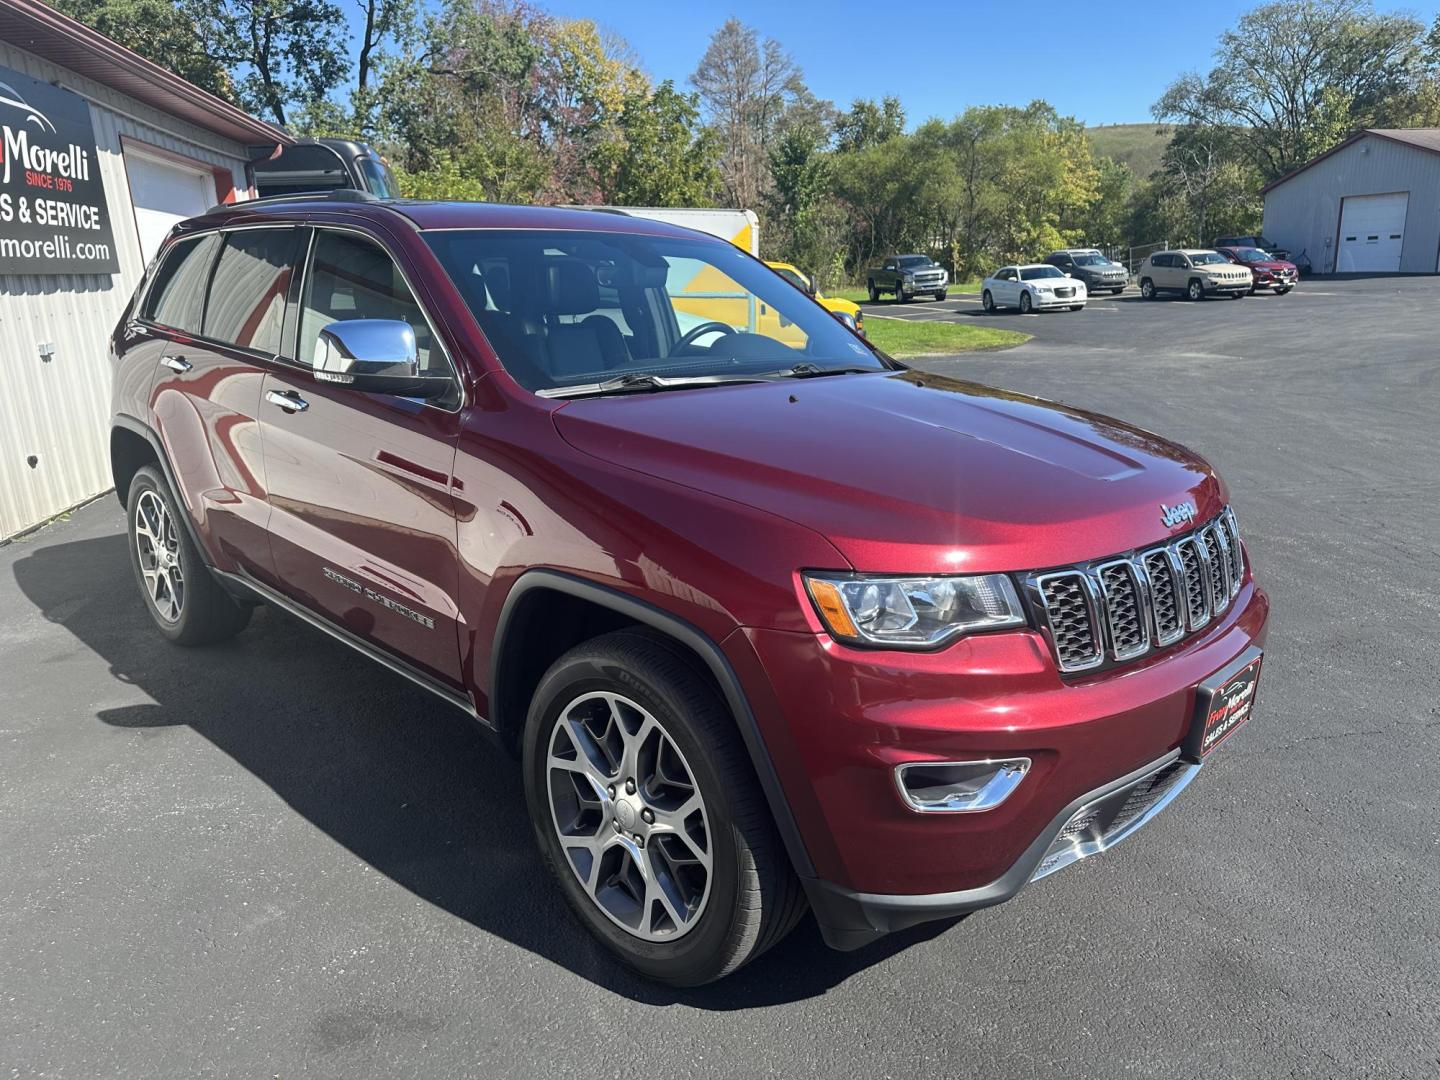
[806, 370]
[637, 381]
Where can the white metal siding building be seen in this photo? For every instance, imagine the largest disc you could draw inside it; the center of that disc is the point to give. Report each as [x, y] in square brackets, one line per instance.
[163, 150]
[1369, 205]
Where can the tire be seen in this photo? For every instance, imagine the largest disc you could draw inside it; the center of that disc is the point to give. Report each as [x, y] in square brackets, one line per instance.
[987, 302]
[661, 707]
[1195, 290]
[184, 601]
[1117, 292]
[1025, 303]
[874, 292]
[940, 295]
[1240, 295]
[899, 294]
[1147, 289]
[1253, 290]
[1282, 292]
[1077, 307]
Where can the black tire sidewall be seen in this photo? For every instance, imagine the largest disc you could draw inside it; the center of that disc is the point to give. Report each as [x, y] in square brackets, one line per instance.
[697, 956]
[148, 479]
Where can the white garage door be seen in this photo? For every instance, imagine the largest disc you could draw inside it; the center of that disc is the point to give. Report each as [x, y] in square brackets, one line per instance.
[163, 193]
[1372, 230]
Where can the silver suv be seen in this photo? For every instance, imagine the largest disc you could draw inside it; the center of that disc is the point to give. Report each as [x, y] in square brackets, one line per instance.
[1196, 272]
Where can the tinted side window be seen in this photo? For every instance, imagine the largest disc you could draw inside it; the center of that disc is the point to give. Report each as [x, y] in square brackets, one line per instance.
[248, 290]
[354, 278]
[1162, 260]
[177, 295]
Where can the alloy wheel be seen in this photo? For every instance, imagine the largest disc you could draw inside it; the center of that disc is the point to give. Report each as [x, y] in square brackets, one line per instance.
[629, 816]
[157, 543]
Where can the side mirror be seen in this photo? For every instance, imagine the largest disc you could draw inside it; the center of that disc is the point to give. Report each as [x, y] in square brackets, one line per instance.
[378, 356]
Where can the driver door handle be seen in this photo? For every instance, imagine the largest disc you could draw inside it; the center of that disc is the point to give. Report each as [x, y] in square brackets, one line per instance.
[288, 400]
[177, 363]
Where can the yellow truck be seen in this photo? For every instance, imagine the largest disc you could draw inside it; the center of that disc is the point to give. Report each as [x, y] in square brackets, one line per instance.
[706, 295]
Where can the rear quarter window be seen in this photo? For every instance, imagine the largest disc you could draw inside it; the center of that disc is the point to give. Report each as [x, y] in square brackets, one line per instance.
[177, 292]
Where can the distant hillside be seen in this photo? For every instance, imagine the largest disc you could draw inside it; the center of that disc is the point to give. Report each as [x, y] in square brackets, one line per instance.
[1138, 145]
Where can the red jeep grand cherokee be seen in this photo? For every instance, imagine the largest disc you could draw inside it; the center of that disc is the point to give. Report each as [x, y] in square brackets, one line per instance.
[770, 619]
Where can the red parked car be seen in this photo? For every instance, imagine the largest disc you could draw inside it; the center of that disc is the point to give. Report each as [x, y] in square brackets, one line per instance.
[1270, 273]
[770, 621]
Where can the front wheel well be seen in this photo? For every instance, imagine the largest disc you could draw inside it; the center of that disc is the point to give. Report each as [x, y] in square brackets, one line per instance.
[129, 453]
[544, 624]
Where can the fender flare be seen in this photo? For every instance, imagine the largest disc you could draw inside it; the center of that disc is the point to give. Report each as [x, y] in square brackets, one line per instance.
[146, 432]
[699, 643]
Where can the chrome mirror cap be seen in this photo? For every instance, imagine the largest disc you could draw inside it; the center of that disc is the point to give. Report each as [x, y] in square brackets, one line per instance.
[366, 347]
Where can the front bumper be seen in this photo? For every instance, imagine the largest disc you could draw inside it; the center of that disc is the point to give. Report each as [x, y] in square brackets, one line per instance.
[838, 720]
[912, 287]
[1092, 823]
[1043, 302]
[1227, 288]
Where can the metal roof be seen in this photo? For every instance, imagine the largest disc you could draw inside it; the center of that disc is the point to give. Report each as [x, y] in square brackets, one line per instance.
[45, 32]
[1427, 138]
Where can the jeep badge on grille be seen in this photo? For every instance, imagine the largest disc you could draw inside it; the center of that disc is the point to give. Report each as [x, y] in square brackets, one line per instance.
[1179, 514]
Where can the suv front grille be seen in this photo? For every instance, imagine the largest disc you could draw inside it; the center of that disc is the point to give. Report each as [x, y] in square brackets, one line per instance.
[1123, 608]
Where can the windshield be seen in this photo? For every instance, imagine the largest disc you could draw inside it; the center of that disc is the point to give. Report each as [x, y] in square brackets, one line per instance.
[1091, 260]
[1207, 258]
[791, 276]
[569, 308]
[1254, 255]
[909, 262]
[379, 180]
[1035, 273]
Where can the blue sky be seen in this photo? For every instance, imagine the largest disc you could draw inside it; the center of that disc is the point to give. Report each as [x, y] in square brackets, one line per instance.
[1102, 64]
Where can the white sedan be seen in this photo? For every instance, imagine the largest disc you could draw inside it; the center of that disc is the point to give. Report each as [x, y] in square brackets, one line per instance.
[1032, 287]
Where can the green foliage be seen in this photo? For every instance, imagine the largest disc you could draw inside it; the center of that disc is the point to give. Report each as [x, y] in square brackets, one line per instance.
[868, 124]
[1293, 74]
[165, 31]
[283, 54]
[1140, 146]
[662, 155]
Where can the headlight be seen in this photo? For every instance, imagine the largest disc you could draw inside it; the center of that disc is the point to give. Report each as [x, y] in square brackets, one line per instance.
[915, 612]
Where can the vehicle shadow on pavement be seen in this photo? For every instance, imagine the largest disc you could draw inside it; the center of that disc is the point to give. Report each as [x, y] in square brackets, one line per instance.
[400, 780]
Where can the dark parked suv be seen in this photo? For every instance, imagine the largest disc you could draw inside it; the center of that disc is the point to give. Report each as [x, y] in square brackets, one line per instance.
[769, 620]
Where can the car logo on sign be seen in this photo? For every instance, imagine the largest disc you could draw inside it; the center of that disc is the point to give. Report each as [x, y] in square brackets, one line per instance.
[1179, 514]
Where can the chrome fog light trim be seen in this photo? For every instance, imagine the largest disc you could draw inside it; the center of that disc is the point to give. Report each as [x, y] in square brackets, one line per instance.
[959, 787]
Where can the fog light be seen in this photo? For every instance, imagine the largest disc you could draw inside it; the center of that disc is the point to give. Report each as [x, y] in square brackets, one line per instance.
[959, 787]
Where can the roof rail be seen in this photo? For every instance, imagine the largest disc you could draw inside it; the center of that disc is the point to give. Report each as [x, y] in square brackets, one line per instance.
[325, 195]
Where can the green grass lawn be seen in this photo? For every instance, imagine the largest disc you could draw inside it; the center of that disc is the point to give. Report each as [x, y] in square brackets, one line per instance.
[857, 294]
[1141, 146]
[900, 338]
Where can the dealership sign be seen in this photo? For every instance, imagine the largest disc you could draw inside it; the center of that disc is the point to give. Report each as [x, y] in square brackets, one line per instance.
[53, 217]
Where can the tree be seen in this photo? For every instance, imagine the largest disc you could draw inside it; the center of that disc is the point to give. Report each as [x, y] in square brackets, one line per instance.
[288, 53]
[1292, 73]
[168, 32]
[868, 124]
[746, 89]
[663, 156]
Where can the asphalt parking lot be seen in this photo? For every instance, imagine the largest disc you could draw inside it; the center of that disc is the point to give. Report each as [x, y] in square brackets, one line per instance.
[271, 858]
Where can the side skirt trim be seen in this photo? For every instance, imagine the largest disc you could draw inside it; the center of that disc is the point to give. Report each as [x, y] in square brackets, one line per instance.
[399, 667]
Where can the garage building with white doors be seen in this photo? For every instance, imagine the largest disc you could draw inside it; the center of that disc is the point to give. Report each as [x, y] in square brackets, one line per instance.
[1369, 205]
[103, 151]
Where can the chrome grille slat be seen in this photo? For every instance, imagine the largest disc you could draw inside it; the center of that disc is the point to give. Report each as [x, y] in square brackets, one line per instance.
[1126, 622]
[1166, 600]
[1196, 582]
[1069, 599]
[1120, 609]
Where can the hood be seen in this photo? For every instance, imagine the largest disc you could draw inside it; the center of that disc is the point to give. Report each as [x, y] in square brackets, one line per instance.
[907, 472]
[1271, 264]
